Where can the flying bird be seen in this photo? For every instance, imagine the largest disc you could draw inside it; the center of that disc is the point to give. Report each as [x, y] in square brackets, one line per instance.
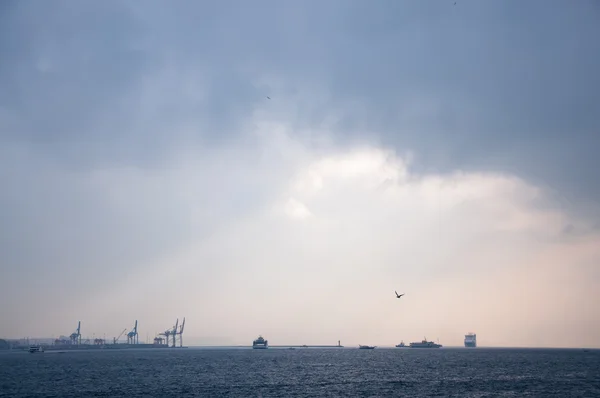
[398, 295]
[268, 97]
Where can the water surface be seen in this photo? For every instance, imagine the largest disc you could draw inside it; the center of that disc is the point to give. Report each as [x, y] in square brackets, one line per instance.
[302, 373]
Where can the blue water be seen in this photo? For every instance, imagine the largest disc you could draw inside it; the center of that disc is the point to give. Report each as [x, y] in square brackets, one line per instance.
[302, 373]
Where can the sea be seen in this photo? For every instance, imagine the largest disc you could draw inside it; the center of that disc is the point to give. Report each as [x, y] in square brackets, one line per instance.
[337, 372]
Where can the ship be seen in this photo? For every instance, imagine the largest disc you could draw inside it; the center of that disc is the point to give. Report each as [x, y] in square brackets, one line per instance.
[470, 340]
[36, 348]
[260, 343]
[401, 345]
[425, 344]
[366, 347]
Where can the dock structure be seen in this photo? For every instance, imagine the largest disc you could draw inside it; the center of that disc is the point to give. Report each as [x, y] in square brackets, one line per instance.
[306, 346]
[263, 344]
[339, 345]
[75, 341]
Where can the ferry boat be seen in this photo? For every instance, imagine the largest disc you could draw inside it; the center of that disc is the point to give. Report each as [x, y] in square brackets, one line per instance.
[260, 343]
[366, 347]
[470, 340]
[425, 344]
[36, 348]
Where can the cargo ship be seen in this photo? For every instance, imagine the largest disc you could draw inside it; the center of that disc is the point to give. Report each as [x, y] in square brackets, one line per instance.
[425, 344]
[260, 344]
[470, 340]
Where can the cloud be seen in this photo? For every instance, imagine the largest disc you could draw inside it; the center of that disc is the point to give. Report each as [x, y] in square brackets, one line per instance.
[469, 250]
[308, 246]
[444, 151]
[474, 86]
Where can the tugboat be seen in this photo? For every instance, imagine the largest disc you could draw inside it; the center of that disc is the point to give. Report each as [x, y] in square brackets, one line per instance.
[260, 343]
[425, 344]
[401, 345]
[36, 348]
[366, 347]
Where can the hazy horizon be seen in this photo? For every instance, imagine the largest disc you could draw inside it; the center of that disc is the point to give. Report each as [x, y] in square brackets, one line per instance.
[448, 152]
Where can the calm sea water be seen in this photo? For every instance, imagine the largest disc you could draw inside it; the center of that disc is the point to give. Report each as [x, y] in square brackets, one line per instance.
[302, 373]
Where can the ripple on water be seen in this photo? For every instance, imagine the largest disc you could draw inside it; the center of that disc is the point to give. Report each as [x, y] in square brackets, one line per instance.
[309, 372]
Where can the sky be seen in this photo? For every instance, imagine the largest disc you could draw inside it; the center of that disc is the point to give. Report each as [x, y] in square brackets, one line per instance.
[444, 151]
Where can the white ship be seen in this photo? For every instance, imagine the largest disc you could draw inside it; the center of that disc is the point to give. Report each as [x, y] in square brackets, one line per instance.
[260, 343]
[471, 340]
[36, 348]
[425, 344]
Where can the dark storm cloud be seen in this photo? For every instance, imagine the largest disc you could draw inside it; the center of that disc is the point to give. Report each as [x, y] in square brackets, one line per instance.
[498, 85]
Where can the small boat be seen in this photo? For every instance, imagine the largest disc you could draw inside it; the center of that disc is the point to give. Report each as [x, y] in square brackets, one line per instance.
[401, 345]
[366, 347]
[36, 348]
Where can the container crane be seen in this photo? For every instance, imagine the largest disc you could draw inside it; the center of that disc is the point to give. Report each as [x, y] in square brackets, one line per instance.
[166, 333]
[115, 339]
[132, 337]
[174, 332]
[171, 332]
[76, 335]
[181, 333]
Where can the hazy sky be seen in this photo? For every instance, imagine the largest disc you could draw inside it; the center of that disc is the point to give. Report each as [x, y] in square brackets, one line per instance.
[449, 152]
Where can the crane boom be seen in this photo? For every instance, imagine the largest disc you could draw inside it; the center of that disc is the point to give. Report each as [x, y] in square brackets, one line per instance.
[117, 338]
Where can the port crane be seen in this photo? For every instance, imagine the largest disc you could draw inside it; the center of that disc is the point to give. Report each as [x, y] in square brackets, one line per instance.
[132, 337]
[181, 333]
[115, 339]
[171, 332]
[167, 334]
[174, 332]
[76, 335]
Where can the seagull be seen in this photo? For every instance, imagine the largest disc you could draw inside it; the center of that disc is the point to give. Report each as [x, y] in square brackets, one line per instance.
[398, 295]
